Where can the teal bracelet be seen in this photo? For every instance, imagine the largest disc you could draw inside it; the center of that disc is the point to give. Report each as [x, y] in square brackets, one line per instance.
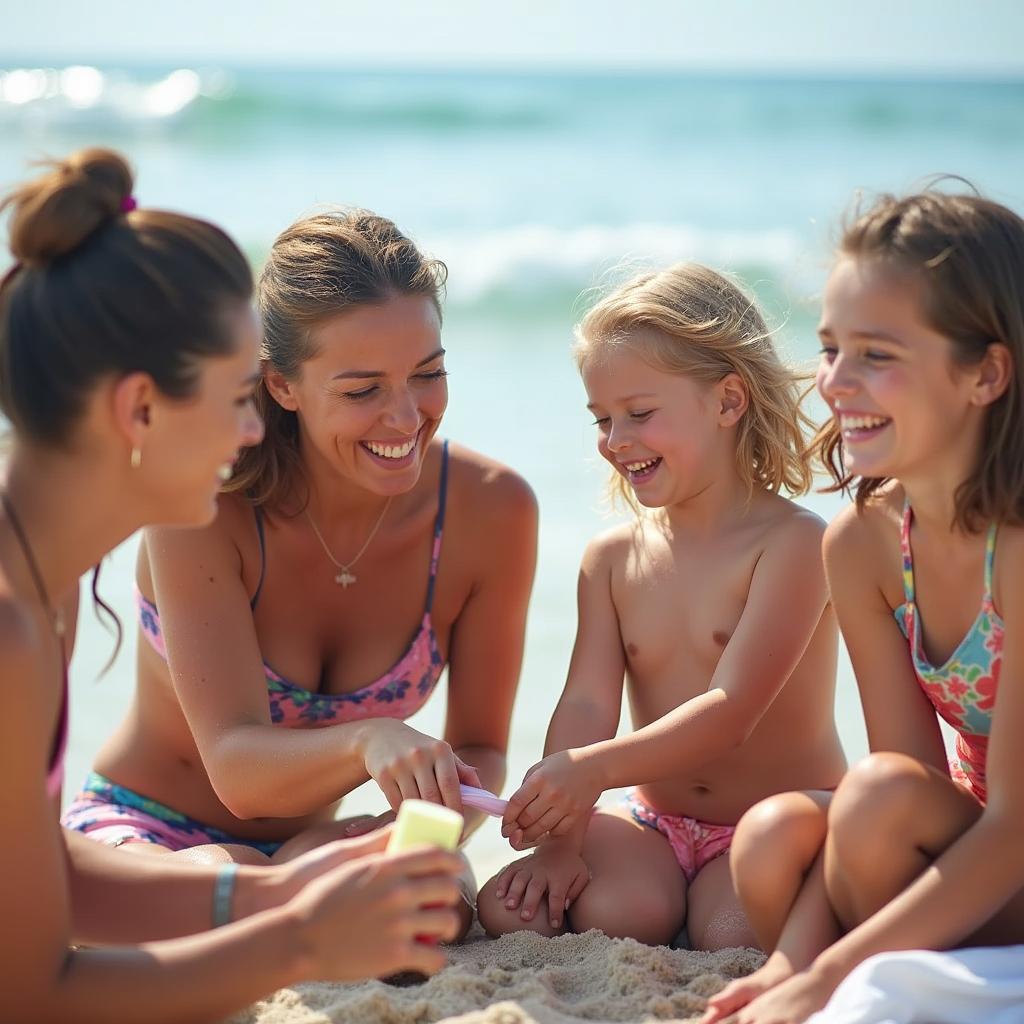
[223, 890]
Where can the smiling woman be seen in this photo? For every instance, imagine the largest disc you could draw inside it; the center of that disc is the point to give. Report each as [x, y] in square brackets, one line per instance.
[128, 352]
[264, 621]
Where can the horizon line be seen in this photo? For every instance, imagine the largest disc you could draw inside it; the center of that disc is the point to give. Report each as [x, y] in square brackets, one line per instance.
[881, 70]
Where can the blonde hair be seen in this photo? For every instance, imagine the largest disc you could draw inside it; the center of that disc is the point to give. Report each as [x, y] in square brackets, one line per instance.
[691, 320]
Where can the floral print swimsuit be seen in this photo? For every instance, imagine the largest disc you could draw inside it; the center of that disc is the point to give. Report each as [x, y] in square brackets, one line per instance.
[963, 690]
[113, 814]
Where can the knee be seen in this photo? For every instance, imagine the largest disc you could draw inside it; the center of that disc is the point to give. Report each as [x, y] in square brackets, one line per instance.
[643, 913]
[496, 919]
[879, 789]
[784, 831]
[227, 853]
[876, 798]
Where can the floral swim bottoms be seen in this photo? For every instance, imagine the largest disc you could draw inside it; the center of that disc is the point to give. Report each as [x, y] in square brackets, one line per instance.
[113, 815]
[694, 842]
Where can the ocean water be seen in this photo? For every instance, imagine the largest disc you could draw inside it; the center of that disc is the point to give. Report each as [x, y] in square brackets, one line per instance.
[535, 189]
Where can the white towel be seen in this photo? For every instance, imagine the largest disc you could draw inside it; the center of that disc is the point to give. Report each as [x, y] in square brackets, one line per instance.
[970, 986]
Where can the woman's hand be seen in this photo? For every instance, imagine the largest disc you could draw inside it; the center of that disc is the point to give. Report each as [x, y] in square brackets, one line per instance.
[554, 798]
[406, 765]
[379, 915]
[556, 870]
[739, 993]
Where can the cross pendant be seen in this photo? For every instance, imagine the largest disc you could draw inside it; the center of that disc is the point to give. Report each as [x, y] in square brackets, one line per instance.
[344, 579]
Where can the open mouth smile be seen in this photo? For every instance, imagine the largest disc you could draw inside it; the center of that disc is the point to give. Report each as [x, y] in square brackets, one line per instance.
[857, 428]
[642, 471]
[394, 454]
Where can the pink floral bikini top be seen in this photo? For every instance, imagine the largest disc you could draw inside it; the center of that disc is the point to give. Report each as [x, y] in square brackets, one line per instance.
[399, 693]
[963, 690]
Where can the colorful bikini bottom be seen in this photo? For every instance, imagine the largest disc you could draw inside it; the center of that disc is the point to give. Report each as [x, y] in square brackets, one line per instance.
[694, 842]
[113, 815]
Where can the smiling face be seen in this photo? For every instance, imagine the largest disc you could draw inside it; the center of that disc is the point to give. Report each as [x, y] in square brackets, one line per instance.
[373, 395]
[662, 432]
[900, 400]
[193, 443]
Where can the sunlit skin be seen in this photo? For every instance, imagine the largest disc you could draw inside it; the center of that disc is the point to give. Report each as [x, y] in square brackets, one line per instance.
[376, 379]
[185, 463]
[891, 381]
[909, 412]
[678, 606]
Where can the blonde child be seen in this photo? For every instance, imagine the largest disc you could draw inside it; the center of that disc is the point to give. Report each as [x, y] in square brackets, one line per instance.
[923, 368]
[711, 604]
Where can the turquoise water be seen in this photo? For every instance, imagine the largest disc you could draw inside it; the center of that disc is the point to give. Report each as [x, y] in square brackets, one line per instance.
[533, 188]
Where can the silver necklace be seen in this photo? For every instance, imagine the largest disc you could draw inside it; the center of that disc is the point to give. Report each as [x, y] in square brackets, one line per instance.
[345, 578]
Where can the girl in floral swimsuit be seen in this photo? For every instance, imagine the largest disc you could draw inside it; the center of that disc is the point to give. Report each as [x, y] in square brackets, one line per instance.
[923, 368]
[350, 545]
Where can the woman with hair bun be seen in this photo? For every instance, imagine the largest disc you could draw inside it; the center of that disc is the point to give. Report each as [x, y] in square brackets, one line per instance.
[354, 556]
[128, 359]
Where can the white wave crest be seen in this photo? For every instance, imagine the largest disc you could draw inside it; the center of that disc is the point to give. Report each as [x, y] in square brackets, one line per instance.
[529, 259]
[84, 95]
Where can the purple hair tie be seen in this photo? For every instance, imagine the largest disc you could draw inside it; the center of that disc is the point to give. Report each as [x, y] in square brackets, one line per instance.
[128, 204]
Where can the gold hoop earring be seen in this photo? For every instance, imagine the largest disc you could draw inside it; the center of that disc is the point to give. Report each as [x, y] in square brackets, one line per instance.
[136, 457]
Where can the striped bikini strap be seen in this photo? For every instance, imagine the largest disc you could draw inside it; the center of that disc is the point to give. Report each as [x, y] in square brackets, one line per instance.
[908, 555]
[990, 557]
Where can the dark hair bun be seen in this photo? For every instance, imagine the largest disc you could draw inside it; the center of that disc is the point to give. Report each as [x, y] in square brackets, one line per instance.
[56, 212]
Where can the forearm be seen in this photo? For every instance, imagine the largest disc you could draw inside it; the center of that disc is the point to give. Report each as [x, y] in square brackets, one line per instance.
[201, 978]
[261, 771]
[491, 765]
[167, 896]
[948, 902]
[699, 731]
[579, 723]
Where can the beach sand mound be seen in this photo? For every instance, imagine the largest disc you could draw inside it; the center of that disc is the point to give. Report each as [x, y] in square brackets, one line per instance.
[525, 979]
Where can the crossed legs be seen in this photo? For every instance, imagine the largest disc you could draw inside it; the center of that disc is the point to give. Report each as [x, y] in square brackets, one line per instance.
[637, 890]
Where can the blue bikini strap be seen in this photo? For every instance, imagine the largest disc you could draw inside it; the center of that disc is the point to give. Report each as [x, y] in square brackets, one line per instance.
[435, 553]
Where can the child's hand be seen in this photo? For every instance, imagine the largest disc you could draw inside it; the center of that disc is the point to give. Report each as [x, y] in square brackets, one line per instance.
[742, 991]
[556, 870]
[790, 1002]
[554, 798]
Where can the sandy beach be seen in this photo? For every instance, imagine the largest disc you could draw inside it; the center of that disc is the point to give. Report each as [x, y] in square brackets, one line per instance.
[525, 979]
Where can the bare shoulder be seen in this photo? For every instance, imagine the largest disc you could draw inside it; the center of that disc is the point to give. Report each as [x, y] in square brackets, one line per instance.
[1010, 545]
[225, 532]
[611, 548]
[865, 535]
[1009, 567]
[788, 523]
[496, 493]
